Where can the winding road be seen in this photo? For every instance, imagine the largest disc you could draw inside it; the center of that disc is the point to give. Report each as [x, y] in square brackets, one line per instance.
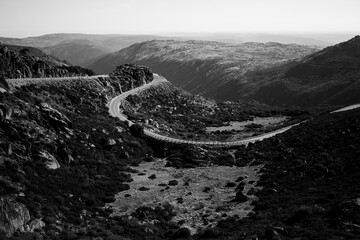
[114, 110]
[115, 103]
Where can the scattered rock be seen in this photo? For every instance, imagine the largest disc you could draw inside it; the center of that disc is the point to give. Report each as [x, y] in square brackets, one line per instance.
[240, 197]
[240, 187]
[206, 189]
[173, 183]
[152, 176]
[239, 179]
[230, 184]
[111, 142]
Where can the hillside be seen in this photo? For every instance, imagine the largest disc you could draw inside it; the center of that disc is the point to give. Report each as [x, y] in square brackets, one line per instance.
[24, 62]
[212, 69]
[328, 77]
[272, 73]
[169, 111]
[77, 52]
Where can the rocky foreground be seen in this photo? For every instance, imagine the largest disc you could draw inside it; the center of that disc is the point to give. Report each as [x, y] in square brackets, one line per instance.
[69, 171]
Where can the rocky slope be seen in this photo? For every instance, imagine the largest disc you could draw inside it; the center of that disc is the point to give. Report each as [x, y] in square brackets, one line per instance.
[212, 69]
[28, 62]
[62, 157]
[170, 111]
[309, 183]
[328, 77]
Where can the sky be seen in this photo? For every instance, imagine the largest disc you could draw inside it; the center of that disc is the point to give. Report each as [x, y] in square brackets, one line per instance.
[23, 18]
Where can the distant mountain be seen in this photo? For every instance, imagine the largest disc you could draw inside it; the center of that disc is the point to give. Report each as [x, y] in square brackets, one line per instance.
[79, 49]
[24, 61]
[212, 69]
[110, 42]
[318, 40]
[77, 52]
[83, 49]
[271, 73]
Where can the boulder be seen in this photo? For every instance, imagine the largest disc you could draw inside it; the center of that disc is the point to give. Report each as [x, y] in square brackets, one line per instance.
[173, 183]
[4, 86]
[57, 120]
[240, 197]
[152, 176]
[230, 184]
[5, 112]
[13, 216]
[50, 160]
[110, 142]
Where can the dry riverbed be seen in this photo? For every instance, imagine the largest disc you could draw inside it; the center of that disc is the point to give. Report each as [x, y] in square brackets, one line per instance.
[200, 196]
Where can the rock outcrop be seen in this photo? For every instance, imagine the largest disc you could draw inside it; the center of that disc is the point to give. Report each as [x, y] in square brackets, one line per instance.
[28, 62]
[5, 112]
[57, 119]
[131, 75]
[14, 216]
[49, 160]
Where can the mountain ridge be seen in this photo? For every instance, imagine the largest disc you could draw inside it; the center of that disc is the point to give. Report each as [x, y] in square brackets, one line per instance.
[271, 73]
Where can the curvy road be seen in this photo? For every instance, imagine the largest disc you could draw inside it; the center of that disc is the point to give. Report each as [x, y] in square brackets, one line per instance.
[114, 110]
[115, 103]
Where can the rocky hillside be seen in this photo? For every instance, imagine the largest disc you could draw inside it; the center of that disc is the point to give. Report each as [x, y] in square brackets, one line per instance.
[212, 69]
[176, 113]
[328, 77]
[68, 170]
[62, 157]
[28, 62]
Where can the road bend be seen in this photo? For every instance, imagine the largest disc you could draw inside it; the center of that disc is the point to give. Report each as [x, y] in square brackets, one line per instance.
[115, 111]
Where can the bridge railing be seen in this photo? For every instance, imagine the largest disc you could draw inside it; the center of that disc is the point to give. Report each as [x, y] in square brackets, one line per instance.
[16, 82]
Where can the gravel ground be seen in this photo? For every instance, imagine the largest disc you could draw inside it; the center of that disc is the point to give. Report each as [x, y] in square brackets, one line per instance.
[201, 196]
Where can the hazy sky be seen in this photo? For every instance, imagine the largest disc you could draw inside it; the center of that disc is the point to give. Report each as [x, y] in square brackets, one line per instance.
[21, 18]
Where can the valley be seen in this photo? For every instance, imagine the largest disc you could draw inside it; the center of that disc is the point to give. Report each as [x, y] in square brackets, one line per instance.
[129, 155]
[272, 73]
